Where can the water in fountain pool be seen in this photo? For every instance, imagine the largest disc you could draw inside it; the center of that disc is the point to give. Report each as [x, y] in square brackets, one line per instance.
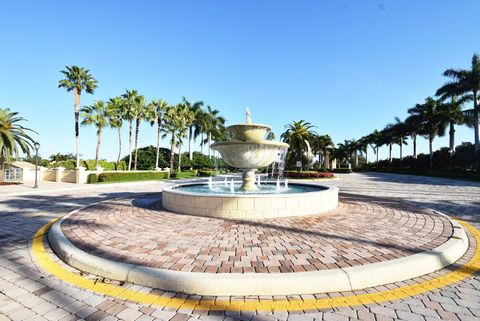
[234, 188]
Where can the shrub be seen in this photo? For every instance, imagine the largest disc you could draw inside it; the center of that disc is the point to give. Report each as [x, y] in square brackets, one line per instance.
[92, 178]
[206, 173]
[307, 174]
[342, 170]
[185, 174]
[131, 176]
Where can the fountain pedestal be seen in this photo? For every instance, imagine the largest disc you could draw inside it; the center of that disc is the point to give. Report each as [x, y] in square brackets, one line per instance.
[248, 178]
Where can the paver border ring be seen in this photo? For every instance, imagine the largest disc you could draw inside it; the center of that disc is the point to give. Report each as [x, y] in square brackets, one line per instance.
[227, 284]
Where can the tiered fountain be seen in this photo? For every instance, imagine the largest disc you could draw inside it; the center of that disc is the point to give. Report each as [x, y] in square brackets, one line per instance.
[248, 150]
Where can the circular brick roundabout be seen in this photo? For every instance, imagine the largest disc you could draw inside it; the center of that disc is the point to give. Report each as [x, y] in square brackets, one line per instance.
[340, 250]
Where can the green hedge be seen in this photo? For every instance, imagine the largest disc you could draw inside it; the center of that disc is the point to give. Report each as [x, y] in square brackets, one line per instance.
[185, 174]
[92, 178]
[206, 173]
[343, 170]
[131, 176]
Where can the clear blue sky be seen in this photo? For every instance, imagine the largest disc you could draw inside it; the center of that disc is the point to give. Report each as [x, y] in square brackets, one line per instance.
[348, 67]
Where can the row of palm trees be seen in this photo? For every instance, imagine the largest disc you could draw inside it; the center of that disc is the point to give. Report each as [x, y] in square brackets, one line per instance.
[180, 121]
[429, 119]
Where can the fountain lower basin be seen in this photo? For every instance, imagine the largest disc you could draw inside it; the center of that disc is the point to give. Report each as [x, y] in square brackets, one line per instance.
[300, 199]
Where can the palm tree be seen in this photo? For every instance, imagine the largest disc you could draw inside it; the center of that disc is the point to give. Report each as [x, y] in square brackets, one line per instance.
[433, 121]
[214, 123]
[130, 112]
[387, 137]
[413, 125]
[159, 107]
[296, 134]
[201, 126]
[96, 115]
[143, 113]
[195, 108]
[77, 79]
[399, 132]
[466, 81]
[115, 120]
[13, 136]
[454, 114]
[185, 119]
[376, 142]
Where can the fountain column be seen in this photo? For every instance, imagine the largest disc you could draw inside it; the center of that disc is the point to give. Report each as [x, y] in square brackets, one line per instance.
[249, 178]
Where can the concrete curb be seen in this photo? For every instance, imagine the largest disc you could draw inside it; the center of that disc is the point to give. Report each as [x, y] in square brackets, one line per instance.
[221, 284]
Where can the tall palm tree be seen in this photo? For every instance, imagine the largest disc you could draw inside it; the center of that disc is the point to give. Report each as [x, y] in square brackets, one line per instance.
[433, 121]
[96, 115]
[130, 112]
[143, 113]
[376, 142]
[454, 115]
[185, 119]
[399, 132]
[13, 136]
[387, 137]
[115, 121]
[159, 107]
[201, 126]
[196, 109]
[77, 79]
[296, 134]
[466, 81]
[215, 123]
[413, 125]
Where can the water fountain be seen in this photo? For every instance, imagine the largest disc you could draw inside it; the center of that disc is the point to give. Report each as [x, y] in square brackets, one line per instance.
[248, 150]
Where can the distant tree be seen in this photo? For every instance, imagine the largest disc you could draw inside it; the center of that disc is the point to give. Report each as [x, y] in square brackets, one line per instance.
[77, 79]
[159, 108]
[115, 120]
[296, 134]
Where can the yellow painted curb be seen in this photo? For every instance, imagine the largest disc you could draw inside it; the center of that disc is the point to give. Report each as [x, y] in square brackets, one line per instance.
[50, 266]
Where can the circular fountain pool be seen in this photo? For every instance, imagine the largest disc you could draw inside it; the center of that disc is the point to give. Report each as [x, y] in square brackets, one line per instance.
[268, 201]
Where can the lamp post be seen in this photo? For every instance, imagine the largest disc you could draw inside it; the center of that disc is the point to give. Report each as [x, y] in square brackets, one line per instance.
[37, 147]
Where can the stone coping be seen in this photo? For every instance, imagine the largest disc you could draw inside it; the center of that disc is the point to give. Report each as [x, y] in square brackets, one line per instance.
[249, 205]
[331, 280]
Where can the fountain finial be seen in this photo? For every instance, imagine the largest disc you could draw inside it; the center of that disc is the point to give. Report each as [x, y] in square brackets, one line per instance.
[247, 116]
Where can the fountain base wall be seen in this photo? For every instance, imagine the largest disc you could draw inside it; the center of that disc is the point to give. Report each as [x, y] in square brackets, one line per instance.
[249, 206]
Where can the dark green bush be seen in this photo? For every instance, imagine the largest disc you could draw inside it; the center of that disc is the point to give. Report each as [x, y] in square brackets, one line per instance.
[92, 178]
[185, 174]
[342, 170]
[131, 176]
[307, 174]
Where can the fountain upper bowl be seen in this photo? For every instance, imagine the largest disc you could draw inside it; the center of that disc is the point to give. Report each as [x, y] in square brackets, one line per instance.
[249, 132]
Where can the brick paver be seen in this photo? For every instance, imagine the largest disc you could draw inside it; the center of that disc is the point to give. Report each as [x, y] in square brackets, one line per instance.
[369, 232]
[22, 216]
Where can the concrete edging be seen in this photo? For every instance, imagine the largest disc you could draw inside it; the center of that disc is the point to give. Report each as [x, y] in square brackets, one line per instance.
[221, 284]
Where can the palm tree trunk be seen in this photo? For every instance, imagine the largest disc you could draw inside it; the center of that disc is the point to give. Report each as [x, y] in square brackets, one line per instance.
[377, 153]
[119, 146]
[159, 138]
[476, 120]
[209, 143]
[137, 129]
[401, 148]
[201, 144]
[414, 137]
[356, 158]
[190, 142]
[76, 104]
[326, 160]
[180, 157]
[430, 147]
[366, 155]
[390, 153]
[172, 152]
[130, 145]
[452, 138]
[97, 151]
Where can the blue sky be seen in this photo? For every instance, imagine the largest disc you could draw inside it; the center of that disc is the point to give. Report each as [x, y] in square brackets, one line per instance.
[348, 67]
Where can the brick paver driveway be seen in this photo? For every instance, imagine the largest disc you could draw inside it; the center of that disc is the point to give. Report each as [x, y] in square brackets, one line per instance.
[27, 292]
